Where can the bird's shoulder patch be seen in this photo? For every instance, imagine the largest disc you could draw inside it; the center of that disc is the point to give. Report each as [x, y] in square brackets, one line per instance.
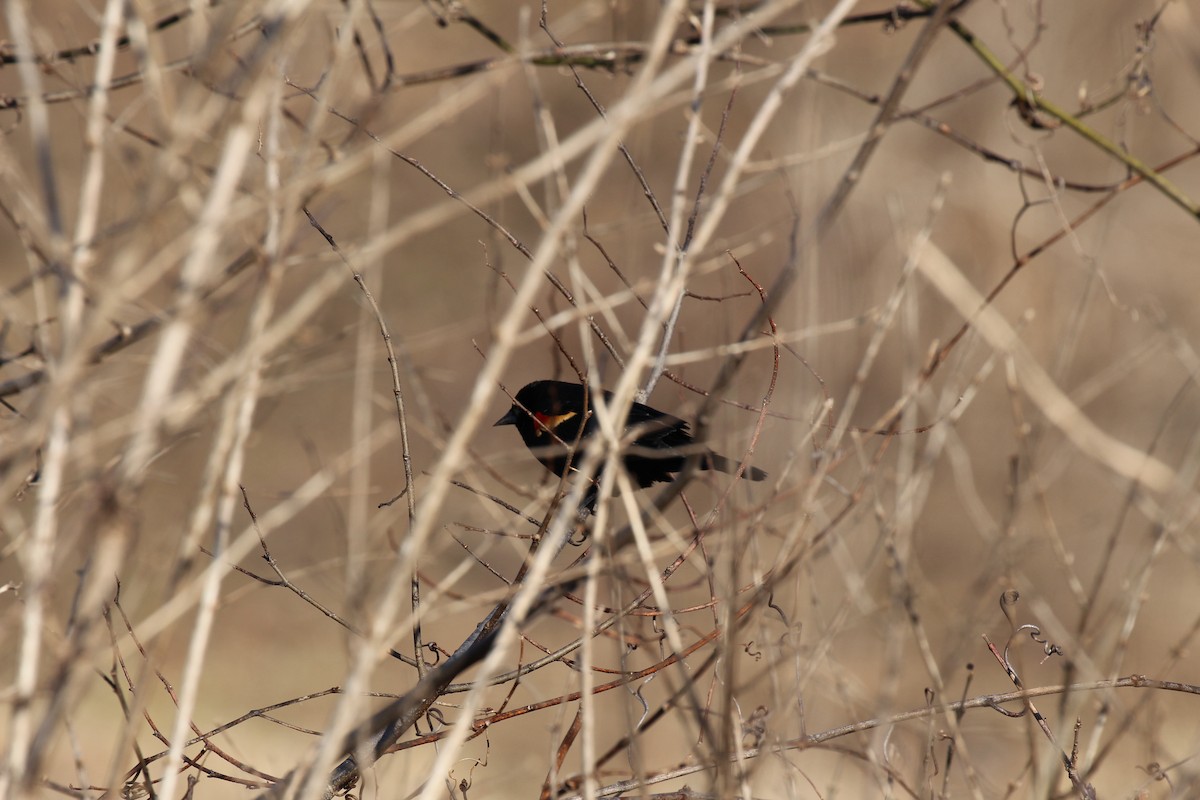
[548, 422]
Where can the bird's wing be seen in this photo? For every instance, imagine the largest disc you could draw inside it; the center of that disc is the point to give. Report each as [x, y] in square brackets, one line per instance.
[657, 428]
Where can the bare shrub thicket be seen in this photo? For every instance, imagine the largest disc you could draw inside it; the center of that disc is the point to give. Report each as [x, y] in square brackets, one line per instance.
[271, 269]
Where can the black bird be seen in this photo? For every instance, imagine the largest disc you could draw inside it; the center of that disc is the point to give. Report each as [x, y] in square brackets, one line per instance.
[554, 417]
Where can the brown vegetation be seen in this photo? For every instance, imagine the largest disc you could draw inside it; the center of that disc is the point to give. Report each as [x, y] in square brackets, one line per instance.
[271, 269]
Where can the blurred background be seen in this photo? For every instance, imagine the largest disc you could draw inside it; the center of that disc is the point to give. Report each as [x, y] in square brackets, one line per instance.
[195, 265]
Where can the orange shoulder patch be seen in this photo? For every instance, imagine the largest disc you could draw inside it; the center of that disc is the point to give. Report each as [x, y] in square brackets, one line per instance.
[551, 421]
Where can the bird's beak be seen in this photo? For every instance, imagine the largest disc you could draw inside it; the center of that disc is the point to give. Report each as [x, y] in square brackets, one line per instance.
[508, 419]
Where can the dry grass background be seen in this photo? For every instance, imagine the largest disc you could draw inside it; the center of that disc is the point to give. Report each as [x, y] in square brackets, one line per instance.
[851, 587]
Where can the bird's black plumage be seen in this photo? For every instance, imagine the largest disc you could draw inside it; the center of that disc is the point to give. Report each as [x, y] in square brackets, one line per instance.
[556, 417]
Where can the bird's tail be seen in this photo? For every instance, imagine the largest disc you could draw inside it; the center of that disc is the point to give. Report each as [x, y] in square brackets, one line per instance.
[720, 463]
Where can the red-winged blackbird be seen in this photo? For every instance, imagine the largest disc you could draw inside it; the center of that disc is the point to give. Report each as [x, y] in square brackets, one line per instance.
[548, 415]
